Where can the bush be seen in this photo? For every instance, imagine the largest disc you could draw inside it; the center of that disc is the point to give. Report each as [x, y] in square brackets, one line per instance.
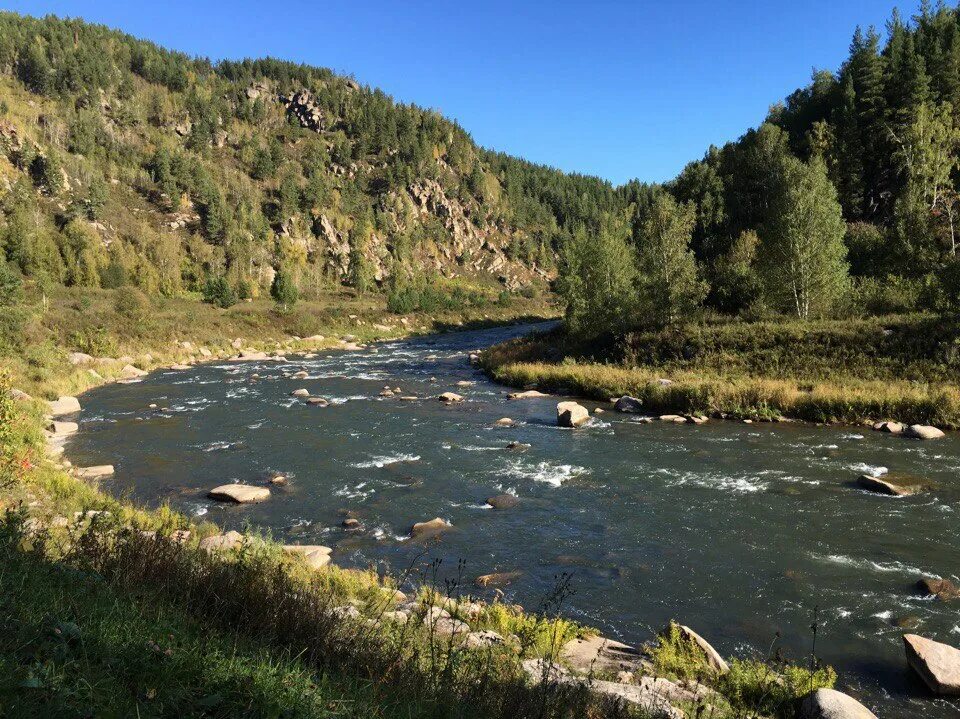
[131, 303]
[217, 291]
[284, 290]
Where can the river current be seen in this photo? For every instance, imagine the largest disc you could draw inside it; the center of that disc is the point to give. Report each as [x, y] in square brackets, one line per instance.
[741, 531]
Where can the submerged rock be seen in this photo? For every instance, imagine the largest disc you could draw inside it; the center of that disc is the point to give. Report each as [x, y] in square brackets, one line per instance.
[496, 579]
[503, 501]
[526, 394]
[571, 414]
[886, 486]
[937, 664]
[831, 704]
[430, 528]
[239, 493]
[518, 446]
[94, 472]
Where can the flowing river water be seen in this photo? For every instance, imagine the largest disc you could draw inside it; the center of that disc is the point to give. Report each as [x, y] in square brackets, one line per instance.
[740, 531]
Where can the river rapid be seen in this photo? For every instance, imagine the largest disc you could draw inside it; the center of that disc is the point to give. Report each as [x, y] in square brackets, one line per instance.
[741, 531]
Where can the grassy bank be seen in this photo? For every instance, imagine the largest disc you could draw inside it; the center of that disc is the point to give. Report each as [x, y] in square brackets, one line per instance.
[901, 369]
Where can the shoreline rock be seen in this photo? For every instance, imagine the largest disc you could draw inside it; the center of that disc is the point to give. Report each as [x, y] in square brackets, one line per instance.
[571, 414]
[239, 493]
[936, 663]
[831, 704]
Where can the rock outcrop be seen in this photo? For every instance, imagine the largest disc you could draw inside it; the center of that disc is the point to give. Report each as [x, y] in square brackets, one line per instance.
[937, 664]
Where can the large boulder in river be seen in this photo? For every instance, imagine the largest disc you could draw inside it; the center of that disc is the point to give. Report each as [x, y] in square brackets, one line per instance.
[942, 589]
[628, 404]
[239, 493]
[450, 398]
[430, 528]
[831, 704]
[937, 664]
[503, 501]
[64, 405]
[923, 431]
[887, 486]
[300, 393]
[571, 414]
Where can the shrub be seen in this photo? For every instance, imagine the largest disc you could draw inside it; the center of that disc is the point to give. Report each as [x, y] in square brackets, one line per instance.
[217, 291]
[284, 290]
[131, 303]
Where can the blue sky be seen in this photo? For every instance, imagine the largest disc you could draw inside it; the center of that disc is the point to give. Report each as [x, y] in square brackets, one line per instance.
[615, 89]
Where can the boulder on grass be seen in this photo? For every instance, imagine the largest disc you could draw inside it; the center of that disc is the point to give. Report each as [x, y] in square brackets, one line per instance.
[937, 664]
[831, 704]
[239, 493]
[571, 414]
[131, 372]
[714, 660]
[64, 405]
[923, 431]
[229, 540]
[315, 555]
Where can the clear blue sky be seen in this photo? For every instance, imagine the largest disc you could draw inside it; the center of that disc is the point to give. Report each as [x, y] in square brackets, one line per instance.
[615, 89]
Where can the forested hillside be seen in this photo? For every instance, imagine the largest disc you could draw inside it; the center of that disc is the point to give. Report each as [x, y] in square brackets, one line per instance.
[124, 164]
[843, 202]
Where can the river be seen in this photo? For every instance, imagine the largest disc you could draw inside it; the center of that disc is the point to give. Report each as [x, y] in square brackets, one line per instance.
[740, 531]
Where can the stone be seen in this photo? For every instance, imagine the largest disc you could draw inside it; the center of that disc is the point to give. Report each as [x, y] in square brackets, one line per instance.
[598, 654]
[62, 429]
[527, 394]
[714, 660]
[95, 472]
[317, 402]
[465, 383]
[885, 486]
[518, 446]
[450, 397]
[481, 639]
[571, 414]
[430, 528]
[937, 664]
[831, 704]
[923, 431]
[229, 540]
[18, 395]
[496, 579]
[890, 427]
[79, 358]
[131, 372]
[239, 493]
[350, 523]
[504, 422]
[672, 418]
[503, 501]
[278, 480]
[315, 555]
[942, 589]
[301, 374]
[628, 404]
[300, 393]
[64, 405]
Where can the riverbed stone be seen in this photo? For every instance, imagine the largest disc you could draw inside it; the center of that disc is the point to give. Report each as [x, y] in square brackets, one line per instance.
[886, 486]
[942, 589]
[831, 704]
[923, 431]
[526, 394]
[300, 393]
[450, 398]
[936, 663]
[503, 501]
[571, 414]
[430, 528]
[629, 405]
[64, 405]
[315, 555]
[239, 493]
[890, 427]
[62, 429]
[504, 422]
[317, 402]
[95, 472]
[496, 579]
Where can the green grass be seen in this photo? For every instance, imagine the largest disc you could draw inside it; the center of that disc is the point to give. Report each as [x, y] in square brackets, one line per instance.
[721, 370]
[75, 645]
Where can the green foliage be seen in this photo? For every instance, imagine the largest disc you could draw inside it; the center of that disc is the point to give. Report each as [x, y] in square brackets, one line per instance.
[284, 289]
[219, 292]
[767, 690]
[130, 303]
[803, 258]
[432, 294]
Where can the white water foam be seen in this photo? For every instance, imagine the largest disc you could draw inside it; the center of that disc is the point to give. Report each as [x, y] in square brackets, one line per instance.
[546, 472]
[383, 461]
[864, 468]
[893, 567]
